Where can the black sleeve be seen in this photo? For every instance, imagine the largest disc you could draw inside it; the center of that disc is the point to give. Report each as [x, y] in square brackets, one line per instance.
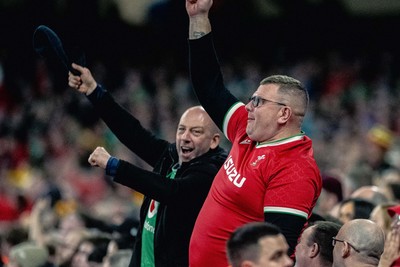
[127, 128]
[290, 225]
[193, 181]
[207, 80]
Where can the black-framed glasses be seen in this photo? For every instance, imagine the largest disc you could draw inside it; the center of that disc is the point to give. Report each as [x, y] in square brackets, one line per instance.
[334, 240]
[257, 101]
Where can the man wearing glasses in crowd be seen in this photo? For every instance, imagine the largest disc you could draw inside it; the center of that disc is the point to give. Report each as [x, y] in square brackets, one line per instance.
[359, 242]
[270, 174]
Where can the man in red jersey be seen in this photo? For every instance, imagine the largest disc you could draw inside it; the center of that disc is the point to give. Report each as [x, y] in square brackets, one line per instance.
[270, 174]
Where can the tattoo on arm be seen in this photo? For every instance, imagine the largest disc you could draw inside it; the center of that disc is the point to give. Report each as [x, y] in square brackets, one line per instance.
[198, 34]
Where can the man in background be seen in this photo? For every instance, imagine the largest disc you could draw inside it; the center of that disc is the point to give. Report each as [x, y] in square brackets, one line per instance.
[315, 246]
[359, 242]
[258, 244]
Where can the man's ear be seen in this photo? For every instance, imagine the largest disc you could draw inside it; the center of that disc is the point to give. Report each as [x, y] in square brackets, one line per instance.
[285, 114]
[314, 251]
[215, 141]
[345, 250]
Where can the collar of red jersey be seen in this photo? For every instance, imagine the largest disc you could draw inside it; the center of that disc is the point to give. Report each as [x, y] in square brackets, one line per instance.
[282, 141]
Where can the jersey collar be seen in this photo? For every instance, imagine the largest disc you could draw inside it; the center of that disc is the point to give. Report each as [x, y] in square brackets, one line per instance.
[282, 141]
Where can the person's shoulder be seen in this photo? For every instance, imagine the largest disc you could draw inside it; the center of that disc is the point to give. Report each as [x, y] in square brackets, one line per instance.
[213, 158]
[217, 156]
[218, 151]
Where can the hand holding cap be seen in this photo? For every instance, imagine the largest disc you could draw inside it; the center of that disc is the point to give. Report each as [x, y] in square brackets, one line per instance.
[48, 45]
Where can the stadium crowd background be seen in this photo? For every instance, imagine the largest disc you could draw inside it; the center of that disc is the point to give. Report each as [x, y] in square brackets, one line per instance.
[348, 61]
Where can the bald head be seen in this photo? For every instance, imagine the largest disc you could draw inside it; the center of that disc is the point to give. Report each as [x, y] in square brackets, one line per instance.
[196, 134]
[372, 193]
[365, 242]
[202, 115]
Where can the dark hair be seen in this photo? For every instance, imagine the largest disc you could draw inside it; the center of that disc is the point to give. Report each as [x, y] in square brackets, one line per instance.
[98, 253]
[362, 207]
[332, 185]
[322, 234]
[16, 235]
[243, 243]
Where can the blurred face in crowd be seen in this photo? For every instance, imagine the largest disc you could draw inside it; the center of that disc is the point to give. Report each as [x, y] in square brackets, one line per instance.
[80, 258]
[346, 212]
[326, 202]
[196, 134]
[380, 216]
[67, 246]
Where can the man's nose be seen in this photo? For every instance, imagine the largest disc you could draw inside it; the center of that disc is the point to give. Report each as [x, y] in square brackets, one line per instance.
[185, 135]
[249, 106]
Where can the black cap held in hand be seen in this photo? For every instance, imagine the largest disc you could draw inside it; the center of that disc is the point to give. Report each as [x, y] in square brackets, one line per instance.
[47, 44]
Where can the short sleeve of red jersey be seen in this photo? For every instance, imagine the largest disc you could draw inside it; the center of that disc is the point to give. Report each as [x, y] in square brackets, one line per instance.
[235, 121]
[294, 190]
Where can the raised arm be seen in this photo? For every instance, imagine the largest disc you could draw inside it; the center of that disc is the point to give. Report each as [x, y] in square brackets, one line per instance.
[124, 125]
[205, 72]
[199, 24]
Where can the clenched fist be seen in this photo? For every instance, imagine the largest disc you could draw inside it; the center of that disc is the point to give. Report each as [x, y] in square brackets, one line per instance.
[99, 157]
[85, 83]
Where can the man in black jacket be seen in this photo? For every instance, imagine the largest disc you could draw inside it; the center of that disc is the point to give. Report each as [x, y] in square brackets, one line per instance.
[179, 183]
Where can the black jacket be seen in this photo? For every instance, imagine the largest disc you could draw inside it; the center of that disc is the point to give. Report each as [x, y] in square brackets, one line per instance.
[180, 198]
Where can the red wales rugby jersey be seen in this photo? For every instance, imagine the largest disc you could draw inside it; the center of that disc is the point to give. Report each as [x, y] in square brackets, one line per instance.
[257, 178]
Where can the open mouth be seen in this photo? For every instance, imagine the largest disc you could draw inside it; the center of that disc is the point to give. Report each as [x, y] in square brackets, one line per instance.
[186, 150]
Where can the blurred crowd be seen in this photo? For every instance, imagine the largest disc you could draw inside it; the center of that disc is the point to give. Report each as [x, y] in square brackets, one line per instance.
[51, 196]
